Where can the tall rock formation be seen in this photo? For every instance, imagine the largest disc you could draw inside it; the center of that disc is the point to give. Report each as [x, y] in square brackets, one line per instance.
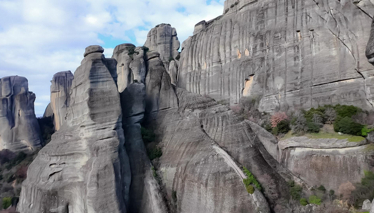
[164, 40]
[131, 66]
[19, 129]
[60, 96]
[85, 167]
[145, 193]
[289, 54]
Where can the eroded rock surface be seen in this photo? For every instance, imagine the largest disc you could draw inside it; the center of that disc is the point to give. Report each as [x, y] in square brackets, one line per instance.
[19, 129]
[60, 96]
[164, 40]
[160, 94]
[85, 167]
[204, 147]
[145, 194]
[300, 54]
[327, 162]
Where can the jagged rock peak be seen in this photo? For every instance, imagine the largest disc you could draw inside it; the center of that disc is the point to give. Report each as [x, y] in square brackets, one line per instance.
[19, 129]
[163, 39]
[60, 96]
[131, 66]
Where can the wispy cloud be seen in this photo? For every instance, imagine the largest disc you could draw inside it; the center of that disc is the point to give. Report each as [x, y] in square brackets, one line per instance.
[41, 37]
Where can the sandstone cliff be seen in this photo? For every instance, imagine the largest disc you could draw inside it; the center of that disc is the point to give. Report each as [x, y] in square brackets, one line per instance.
[289, 54]
[19, 129]
[85, 167]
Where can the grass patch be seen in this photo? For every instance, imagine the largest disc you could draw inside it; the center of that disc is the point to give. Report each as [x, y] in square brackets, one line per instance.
[326, 135]
[321, 135]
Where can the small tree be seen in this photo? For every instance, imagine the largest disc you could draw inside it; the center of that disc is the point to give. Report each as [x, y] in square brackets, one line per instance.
[299, 125]
[277, 118]
[330, 115]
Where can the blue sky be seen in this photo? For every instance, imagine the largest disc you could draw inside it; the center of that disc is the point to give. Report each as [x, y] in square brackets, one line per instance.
[41, 37]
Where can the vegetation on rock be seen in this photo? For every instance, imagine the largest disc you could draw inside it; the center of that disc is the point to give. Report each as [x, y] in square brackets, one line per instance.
[249, 181]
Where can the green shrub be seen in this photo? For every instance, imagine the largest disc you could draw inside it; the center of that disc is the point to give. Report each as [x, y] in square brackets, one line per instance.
[283, 126]
[299, 124]
[322, 188]
[303, 202]
[346, 111]
[274, 131]
[147, 135]
[178, 57]
[154, 153]
[313, 127]
[346, 125]
[295, 190]
[363, 191]
[250, 180]
[7, 201]
[250, 189]
[154, 173]
[145, 49]
[314, 200]
[320, 112]
[131, 50]
[365, 131]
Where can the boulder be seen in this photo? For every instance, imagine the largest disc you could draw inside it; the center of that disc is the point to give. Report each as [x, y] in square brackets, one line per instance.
[60, 96]
[85, 167]
[19, 129]
[366, 205]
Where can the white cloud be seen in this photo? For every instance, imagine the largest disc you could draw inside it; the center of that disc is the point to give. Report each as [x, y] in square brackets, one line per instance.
[41, 37]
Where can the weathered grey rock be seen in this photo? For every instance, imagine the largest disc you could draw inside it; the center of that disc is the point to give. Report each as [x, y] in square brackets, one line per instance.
[203, 144]
[173, 72]
[299, 54]
[60, 96]
[327, 162]
[130, 65]
[85, 167]
[163, 39]
[160, 94]
[19, 129]
[121, 54]
[48, 112]
[137, 65]
[366, 205]
[145, 194]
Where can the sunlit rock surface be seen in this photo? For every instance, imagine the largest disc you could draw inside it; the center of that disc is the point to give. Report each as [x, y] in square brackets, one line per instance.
[85, 166]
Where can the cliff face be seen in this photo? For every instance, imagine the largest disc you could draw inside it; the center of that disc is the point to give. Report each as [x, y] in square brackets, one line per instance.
[19, 129]
[289, 54]
[60, 96]
[328, 162]
[85, 166]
